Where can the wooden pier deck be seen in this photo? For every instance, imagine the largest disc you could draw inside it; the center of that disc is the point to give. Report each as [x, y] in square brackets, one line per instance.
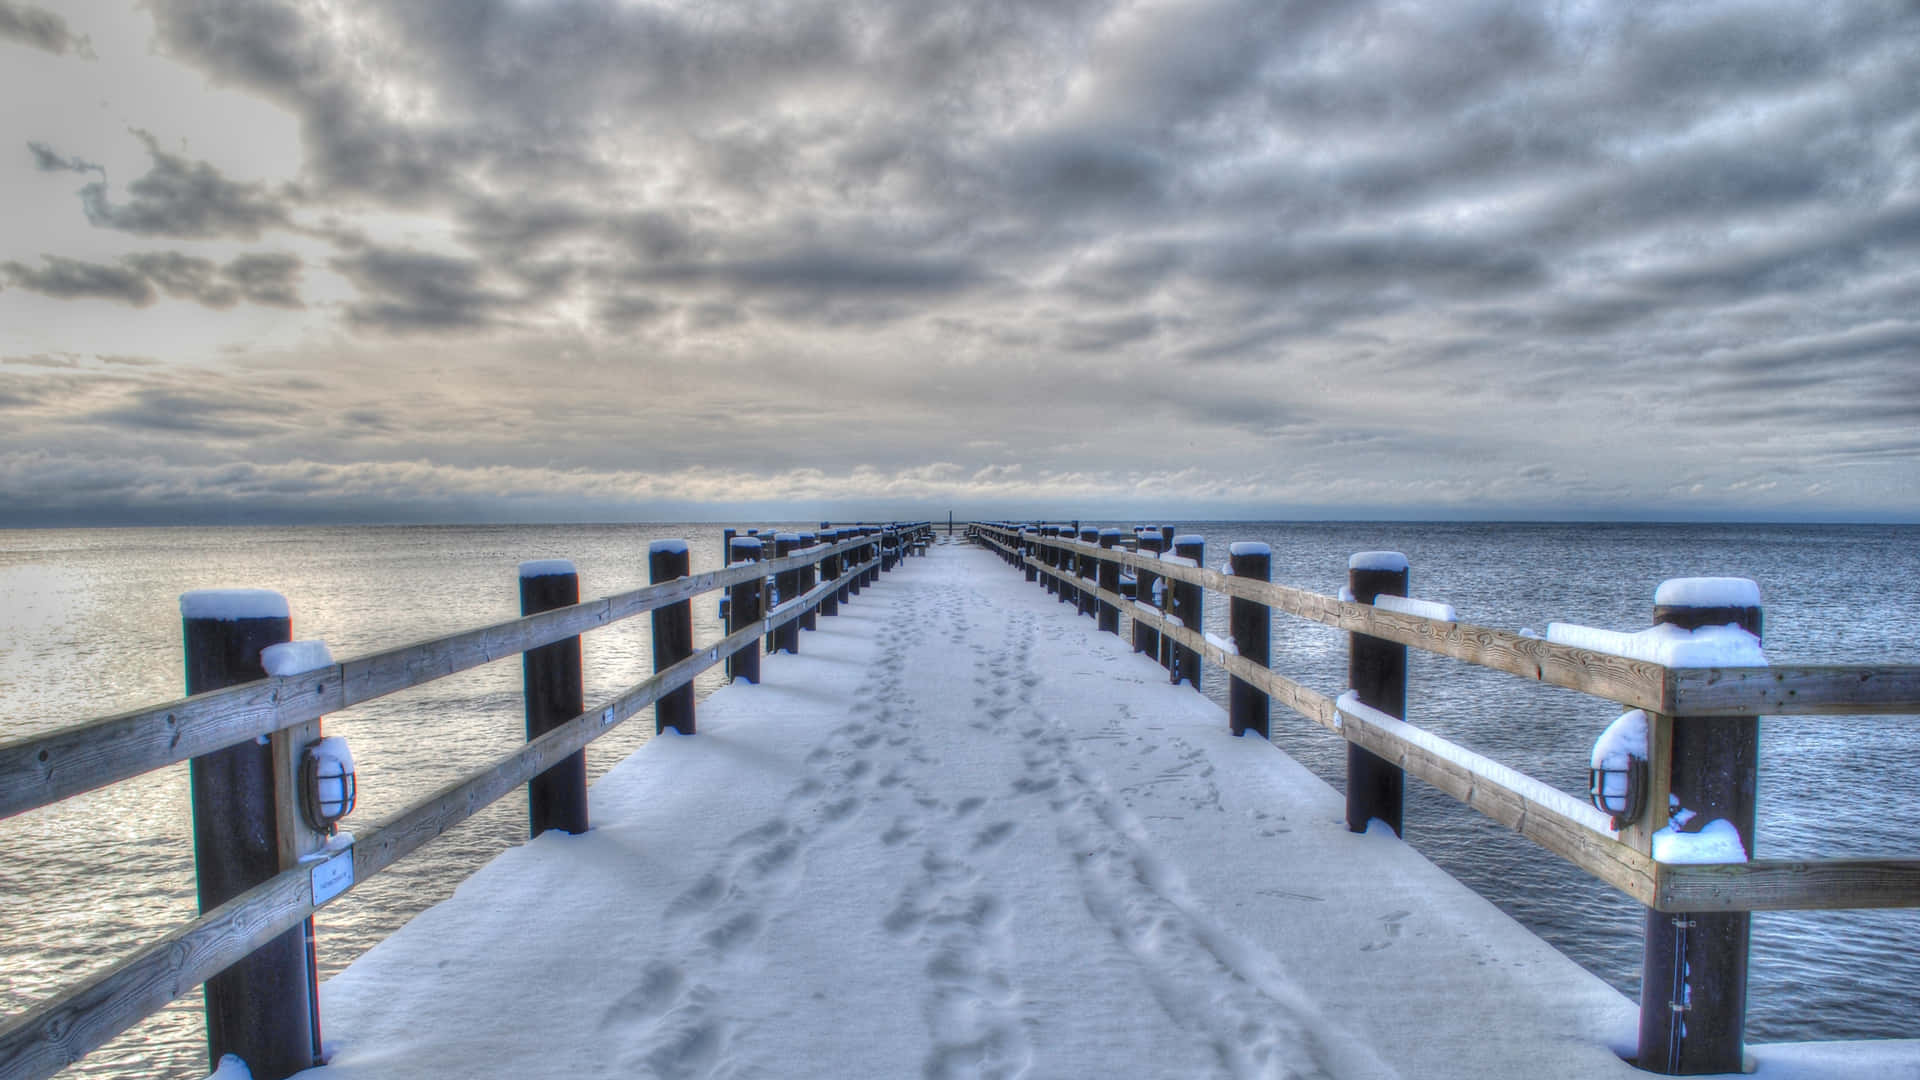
[960, 835]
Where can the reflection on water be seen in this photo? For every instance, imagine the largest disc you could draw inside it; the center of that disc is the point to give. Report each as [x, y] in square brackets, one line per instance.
[89, 625]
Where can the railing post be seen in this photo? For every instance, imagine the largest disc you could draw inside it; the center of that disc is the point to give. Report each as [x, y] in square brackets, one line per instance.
[743, 610]
[1188, 605]
[1088, 569]
[554, 694]
[871, 553]
[1026, 551]
[263, 1008]
[1145, 638]
[809, 577]
[1166, 598]
[1052, 559]
[667, 560]
[1110, 581]
[1249, 622]
[786, 637]
[1377, 672]
[1693, 974]
[830, 571]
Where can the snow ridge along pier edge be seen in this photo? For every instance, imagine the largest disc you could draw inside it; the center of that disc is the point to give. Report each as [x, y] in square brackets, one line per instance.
[262, 866]
[1699, 676]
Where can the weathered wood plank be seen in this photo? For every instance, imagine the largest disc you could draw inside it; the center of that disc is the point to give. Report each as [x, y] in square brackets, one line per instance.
[59, 1031]
[1797, 689]
[1790, 885]
[56, 1033]
[1551, 818]
[1634, 683]
[46, 768]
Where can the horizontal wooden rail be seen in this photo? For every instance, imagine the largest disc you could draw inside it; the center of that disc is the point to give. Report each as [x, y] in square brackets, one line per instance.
[59, 1031]
[1780, 690]
[1549, 817]
[46, 768]
[1559, 822]
[1796, 690]
[1790, 885]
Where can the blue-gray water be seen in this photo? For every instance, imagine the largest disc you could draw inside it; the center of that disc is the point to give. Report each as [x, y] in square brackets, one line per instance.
[89, 625]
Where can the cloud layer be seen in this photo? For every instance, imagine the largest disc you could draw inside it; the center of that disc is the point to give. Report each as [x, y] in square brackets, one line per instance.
[1178, 255]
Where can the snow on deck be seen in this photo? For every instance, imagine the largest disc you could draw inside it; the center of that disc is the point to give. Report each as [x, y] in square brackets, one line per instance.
[963, 835]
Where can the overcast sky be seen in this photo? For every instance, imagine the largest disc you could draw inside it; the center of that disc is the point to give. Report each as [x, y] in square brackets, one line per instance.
[603, 259]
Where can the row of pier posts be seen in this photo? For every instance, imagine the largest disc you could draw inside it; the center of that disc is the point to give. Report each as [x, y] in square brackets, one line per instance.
[265, 1008]
[1694, 964]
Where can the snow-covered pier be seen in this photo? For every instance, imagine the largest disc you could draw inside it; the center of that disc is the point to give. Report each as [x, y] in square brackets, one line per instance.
[962, 835]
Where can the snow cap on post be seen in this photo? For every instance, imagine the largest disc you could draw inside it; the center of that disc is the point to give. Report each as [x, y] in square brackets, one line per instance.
[1392, 562]
[1710, 592]
[227, 605]
[747, 543]
[1110, 532]
[1188, 538]
[1249, 547]
[296, 657]
[669, 547]
[535, 568]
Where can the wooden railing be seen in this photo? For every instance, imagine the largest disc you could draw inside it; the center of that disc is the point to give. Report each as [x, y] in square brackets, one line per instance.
[46, 768]
[1682, 895]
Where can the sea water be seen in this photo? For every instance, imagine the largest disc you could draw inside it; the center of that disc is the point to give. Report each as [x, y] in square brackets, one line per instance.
[89, 625]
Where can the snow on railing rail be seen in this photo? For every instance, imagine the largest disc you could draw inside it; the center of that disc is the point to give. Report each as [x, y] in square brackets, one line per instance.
[57, 1031]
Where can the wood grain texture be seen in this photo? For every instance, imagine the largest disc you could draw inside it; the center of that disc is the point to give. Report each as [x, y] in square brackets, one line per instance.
[56, 1033]
[47, 768]
[1562, 824]
[1797, 690]
[1790, 885]
[1634, 683]
[1553, 819]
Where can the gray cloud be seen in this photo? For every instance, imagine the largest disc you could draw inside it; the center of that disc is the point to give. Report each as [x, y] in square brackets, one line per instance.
[46, 159]
[1456, 242]
[267, 278]
[410, 291]
[41, 29]
[177, 197]
[68, 279]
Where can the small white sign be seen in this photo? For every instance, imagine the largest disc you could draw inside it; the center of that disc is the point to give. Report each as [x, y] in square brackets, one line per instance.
[333, 877]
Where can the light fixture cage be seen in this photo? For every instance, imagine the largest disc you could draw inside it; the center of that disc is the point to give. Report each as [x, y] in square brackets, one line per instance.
[1620, 792]
[328, 790]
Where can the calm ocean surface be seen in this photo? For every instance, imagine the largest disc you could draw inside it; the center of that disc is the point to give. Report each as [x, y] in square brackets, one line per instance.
[89, 625]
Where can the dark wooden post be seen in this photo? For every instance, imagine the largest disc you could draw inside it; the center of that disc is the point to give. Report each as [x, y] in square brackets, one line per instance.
[1110, 581]
[1377, 672]
[786, 637]
[1189, 606]
[830, 571]
[667, 560]
[1166, 598]
[264, 1008]
[1145, 638]
[1250, 623]
[557, 798]
[1088, 569]
[743, 610]
[1026, 550]
[1051, 556]
[856, 579]
[809, 577]
[726, 553]
[1693, 973]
